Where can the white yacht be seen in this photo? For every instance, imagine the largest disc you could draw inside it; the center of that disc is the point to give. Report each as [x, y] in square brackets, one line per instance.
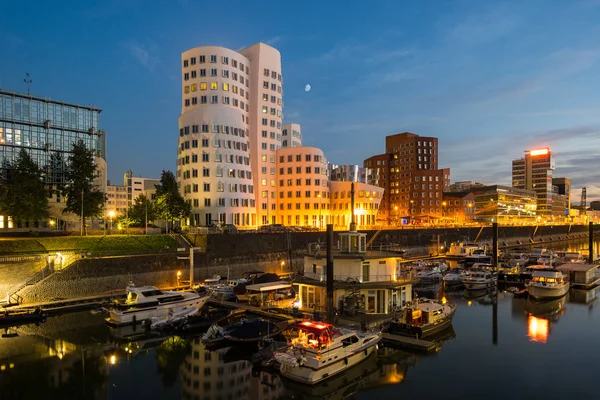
[518, 259]
[478, 256]
[147, 302]
[455, 277]
[319, 351]
[548, 284]
[429, 275]
[478, 280]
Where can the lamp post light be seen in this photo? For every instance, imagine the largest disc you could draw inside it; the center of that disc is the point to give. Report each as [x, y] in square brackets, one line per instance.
[320, 218]
[178, 278]
[396, 212]
[470, 205]
[111, 214]
[444, 212]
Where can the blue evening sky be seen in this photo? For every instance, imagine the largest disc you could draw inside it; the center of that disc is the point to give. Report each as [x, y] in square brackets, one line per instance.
[488, 78]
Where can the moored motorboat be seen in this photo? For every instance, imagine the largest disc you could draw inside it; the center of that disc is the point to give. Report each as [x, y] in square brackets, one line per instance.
[172, 319]
[10, 318]
[548, 284]
[243, 331]
[424, 318]
[146, 302]
[319, 351]
[478, 256]
[478, 280]
[429, 275]
[454, 277]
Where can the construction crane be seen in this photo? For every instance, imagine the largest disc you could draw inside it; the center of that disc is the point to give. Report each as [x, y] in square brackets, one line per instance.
[583, 200]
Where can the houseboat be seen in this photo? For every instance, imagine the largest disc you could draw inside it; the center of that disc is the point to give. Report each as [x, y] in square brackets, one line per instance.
[581, 275]
[369, 282]
[319, 351]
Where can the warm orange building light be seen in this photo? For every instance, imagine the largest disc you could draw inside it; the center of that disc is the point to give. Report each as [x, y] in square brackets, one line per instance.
[538, 152]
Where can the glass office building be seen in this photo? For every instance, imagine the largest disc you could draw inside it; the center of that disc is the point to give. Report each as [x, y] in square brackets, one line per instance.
[505, 204]
[48, 129]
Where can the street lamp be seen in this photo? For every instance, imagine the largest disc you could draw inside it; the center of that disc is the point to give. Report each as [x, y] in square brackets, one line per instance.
[320, 218]
[443, 212]
[178, 278]
[396, 210]
[470, 205]
[111, 214]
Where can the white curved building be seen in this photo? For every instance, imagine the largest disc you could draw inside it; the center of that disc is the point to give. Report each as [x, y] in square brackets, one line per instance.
[303, 186]
[229, 130]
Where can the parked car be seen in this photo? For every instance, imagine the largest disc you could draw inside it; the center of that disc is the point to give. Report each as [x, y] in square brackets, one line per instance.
[229, 228]
[273, 228]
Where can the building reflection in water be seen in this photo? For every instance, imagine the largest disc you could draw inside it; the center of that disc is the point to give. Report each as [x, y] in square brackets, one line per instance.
[206, 376]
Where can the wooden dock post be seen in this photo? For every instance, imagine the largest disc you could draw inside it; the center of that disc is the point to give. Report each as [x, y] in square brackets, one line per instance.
[591, 243]
[330, 313]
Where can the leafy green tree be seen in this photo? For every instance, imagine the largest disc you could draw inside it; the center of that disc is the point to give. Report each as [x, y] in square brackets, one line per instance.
[24, 195]
[170, 204]
[142, 210]
[83, 197]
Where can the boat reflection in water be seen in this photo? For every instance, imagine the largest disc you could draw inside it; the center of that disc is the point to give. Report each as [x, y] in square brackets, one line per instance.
[540, 314]
[538, 329]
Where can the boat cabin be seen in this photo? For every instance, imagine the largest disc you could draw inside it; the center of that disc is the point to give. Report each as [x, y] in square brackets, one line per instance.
[549, 276]
[425, 313]
[312, 334]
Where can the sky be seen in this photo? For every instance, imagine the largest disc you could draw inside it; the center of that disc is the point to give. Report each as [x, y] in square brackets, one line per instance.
[490, 79]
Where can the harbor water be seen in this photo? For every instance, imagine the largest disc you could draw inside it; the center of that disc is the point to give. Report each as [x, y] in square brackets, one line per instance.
[499, 347]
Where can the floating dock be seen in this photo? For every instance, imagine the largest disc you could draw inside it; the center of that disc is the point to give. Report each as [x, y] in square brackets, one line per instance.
[410, 343]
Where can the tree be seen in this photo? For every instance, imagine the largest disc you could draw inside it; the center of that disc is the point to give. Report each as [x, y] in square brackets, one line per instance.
[83, 197]
[170, 204]
[23, 196]
[142, 210]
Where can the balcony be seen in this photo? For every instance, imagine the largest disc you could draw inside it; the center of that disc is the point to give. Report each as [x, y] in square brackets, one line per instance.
[398, 278]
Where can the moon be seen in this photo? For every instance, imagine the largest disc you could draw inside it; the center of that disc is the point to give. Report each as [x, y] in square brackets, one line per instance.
[307, 88]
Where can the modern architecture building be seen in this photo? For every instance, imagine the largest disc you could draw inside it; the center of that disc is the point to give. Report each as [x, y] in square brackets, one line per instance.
[229, 131]
[367, 199]
[534, 172]
[458, 207]
[348, 173]
[47, 129]
[120, 197]
[291, 135]
[409, 173]
[505, 204]
[464, 186]
[563, 187]
[303, 188]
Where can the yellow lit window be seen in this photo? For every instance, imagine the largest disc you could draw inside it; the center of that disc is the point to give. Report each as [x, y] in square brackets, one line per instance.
[186, 89]
[263, 182]
[226, 87]
[234, 89]
[194, 87]
[202, 85]
[214, 85]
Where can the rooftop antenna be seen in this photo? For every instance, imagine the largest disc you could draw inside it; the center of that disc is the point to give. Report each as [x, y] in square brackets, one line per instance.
[27, 81]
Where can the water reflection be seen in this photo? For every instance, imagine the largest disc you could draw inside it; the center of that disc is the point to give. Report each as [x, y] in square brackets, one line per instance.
[538, 329]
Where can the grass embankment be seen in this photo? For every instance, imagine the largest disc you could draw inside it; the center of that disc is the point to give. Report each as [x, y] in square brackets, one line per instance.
[96, 245]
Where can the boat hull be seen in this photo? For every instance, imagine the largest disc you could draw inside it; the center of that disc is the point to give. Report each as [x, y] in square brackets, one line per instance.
[541, 292]
[311, 376]
[478, 285]
[159, 311]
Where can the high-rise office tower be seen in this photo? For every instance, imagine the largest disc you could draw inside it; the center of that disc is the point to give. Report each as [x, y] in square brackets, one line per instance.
[534, 172]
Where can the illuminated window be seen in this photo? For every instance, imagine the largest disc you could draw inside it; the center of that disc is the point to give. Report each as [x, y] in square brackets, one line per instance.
[226, 87]
[202, 85]
[1, 221]
[186, 89]
[234, 89]
[194, 87]
[214, 85]
[265, 109]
